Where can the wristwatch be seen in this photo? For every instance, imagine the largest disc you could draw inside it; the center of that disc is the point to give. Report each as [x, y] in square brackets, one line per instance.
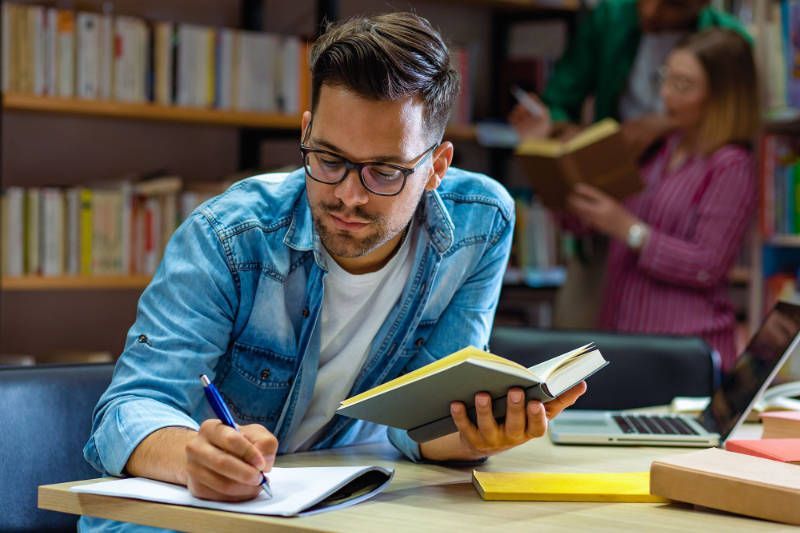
[637, 234]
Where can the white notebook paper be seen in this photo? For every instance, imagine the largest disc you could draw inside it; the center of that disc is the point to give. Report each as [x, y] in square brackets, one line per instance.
[296, 491]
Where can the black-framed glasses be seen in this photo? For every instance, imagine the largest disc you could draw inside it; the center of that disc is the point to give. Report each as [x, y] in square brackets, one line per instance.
[383, 179]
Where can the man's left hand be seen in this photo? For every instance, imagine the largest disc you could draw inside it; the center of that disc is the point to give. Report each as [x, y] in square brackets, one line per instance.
[522, 423]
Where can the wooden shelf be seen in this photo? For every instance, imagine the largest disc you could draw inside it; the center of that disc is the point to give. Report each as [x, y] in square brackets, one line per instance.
[111, 109]
[785, 240]
[460, 132]
[44, 283]
[522, 5]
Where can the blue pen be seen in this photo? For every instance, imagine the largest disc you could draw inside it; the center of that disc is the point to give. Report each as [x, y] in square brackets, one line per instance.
[224, 414]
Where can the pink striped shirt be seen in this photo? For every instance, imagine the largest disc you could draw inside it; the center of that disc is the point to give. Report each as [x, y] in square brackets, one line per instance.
[698, 215]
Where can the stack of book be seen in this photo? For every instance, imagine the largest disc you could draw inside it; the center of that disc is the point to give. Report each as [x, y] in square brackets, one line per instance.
[118, 228]
[60, 53]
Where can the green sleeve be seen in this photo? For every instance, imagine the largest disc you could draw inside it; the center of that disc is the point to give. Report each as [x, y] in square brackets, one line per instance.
[574, 75]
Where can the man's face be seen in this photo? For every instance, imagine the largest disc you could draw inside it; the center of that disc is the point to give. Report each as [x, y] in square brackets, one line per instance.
[669, 15]
[351, 221]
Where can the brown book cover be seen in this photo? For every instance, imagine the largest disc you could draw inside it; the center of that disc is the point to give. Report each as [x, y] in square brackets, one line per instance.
[597, 156]
[731, 482]
[781, 424]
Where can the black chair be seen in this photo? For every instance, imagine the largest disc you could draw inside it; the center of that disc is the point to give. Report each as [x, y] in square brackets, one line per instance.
[47, 415]
[644, 370]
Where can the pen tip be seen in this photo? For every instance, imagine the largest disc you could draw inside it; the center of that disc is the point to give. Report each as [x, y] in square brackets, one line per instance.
[204, 379]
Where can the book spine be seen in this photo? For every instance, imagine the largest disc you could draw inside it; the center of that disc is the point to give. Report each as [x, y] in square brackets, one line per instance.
[14, 231]
[87, 52]
[86, 217]
[65, 50]
[32, 227]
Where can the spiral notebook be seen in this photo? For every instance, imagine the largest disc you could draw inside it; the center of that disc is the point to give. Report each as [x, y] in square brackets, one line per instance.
[296, 491]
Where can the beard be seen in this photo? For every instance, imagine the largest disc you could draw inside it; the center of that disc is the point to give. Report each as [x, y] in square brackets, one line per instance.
[343, 243]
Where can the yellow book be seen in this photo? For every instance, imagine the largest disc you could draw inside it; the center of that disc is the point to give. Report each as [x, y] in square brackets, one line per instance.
[597, 156]
[632, 487]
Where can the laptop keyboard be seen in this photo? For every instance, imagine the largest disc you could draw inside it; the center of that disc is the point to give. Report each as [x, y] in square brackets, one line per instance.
[653, 425]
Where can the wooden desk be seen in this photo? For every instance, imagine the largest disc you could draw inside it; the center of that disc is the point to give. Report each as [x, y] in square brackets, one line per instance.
[435, 498]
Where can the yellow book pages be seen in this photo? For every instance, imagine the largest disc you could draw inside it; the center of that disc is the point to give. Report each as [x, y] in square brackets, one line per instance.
[559, 487]
[543, 147]
[592, 134]
[470, 352]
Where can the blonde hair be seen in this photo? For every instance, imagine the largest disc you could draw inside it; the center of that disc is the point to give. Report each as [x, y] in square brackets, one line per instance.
[733, 110]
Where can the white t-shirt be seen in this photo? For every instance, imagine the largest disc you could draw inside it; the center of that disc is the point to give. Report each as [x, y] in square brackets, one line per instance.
[642, 94]
[354, 308]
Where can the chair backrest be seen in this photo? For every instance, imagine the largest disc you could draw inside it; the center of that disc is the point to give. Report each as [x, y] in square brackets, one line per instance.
[47, 416]
[643, 370]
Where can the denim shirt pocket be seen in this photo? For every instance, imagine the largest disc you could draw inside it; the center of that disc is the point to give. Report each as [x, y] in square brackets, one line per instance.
[256, 383]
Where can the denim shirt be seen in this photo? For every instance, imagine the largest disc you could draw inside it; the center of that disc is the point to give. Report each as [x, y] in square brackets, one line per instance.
[238, 296]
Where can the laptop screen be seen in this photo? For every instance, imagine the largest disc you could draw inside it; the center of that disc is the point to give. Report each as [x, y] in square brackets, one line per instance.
[755, 367]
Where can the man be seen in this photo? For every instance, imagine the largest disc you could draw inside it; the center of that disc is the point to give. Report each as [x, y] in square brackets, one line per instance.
[615, 56]
[374, 259]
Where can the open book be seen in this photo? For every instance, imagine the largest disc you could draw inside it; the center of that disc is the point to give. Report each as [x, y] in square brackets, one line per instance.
[296, 491]
[420, 400]
[597, 156]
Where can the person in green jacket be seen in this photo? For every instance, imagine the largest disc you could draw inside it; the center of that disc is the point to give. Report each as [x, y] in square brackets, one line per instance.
[614, 56]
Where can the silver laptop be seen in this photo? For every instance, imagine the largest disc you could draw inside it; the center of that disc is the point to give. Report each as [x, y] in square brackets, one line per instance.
[774, 342]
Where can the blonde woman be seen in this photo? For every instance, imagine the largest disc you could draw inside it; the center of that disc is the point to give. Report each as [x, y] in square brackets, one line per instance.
[674, 243]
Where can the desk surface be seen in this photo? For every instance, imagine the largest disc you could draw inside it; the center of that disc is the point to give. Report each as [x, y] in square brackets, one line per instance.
[435, 498]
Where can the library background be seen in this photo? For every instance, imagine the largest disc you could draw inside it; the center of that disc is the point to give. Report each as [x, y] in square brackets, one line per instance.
[120, 117]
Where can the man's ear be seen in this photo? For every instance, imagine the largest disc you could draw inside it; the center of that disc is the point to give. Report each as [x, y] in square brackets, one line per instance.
[304, 122]
[442, 157]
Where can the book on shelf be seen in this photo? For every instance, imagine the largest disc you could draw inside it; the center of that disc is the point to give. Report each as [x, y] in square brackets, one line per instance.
[536, 236]
[783, 450]
[99, 56]
[118, 227]
[731, 482]
[463, 59]
[631, 487]
[420, 400]
[781, 425]
[597, 156]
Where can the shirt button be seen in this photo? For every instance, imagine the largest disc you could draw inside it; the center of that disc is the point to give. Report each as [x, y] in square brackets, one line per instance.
[142, 339]
[305, 312]
[419, 342]
[265, 374]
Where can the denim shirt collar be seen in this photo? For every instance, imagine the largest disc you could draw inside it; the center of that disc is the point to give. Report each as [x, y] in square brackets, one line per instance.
[301, 235]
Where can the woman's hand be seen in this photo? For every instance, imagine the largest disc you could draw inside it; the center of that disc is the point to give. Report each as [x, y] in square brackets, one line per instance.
[601, 211]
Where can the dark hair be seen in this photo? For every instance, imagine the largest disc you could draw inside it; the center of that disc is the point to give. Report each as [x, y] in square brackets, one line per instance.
[733, 111]
[388, 57]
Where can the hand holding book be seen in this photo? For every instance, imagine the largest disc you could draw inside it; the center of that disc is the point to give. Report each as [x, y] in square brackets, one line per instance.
[440, 398]
[487, 435]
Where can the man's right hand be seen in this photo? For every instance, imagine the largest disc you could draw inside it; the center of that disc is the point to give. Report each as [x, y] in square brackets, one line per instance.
[225, 465]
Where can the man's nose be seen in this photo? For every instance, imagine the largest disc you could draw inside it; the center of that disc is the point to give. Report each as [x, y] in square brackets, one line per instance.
[350, 190]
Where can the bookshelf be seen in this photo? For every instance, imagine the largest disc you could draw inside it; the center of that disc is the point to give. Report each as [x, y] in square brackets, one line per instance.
[36, 309]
